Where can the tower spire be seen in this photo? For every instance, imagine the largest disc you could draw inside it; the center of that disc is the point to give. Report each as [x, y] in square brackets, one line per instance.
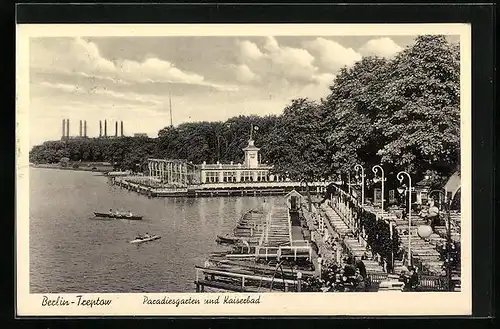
[251, 131]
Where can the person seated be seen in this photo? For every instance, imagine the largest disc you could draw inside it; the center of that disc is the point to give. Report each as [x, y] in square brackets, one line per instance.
[349, 270]
[117, 213]
[360, 266]
[111, 211]
[360, 281]
[129, 214]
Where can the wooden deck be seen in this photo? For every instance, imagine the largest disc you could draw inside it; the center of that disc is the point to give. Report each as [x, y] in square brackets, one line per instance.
[264, 264]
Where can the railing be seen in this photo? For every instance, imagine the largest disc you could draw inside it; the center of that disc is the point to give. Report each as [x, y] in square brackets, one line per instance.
[242, 278]
[257, 184]
[426, 282]
[290, 238]
[277, 252]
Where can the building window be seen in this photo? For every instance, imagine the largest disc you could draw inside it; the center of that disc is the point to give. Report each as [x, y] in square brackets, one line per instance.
[229, 176]
[212, 177]
[246, 176]
[262, 176]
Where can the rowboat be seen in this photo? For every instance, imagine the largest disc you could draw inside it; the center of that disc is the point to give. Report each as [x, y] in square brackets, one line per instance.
[117, 216]
[228, 239]
[141, 240]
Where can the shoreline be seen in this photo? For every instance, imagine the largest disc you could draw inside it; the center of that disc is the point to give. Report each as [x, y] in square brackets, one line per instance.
[54, 166]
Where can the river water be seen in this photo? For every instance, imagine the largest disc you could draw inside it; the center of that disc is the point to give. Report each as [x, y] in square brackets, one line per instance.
[71, 251]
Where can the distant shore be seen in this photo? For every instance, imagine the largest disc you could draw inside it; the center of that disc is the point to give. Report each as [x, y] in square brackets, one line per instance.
[80, 168]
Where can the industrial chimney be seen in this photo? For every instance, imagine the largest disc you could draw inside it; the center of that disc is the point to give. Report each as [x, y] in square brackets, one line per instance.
[67, 128]
[116, 128]
[105, 128]
[100, 128]
[121, 123]
[85, 128]
[63, 128]
[80, 134]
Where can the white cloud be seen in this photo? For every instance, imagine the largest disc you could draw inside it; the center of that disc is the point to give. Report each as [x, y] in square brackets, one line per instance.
[249, 50]
[244, 74]
[129, 96]
[325, 78]
[62, 86]
[280, 62]
[156, 70]
[332, 55]
[384, 47]
[81, 57]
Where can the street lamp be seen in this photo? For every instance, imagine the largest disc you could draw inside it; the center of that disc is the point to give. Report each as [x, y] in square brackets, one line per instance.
[400, 177]
[375, 170]
[349, 183]
[358, 168]
[382, 180]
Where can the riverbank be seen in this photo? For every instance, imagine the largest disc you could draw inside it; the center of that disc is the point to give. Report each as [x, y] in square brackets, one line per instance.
[82, 167]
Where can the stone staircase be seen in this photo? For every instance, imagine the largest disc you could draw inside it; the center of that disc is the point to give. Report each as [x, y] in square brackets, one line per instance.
[337, 223]
[278, 231]
[356, 247]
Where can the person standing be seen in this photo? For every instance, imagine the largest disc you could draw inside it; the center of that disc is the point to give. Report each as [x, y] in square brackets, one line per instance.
[360, 265]
[433, 215]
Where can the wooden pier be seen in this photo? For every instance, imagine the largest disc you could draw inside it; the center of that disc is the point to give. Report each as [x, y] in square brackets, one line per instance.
[215, 189]
[264, 257]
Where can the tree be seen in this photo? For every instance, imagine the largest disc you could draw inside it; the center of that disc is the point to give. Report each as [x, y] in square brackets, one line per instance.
[419, 116]
[296, 146]
[352, 109]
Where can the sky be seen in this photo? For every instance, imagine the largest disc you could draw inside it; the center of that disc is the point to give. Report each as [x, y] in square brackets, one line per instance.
[130, 79]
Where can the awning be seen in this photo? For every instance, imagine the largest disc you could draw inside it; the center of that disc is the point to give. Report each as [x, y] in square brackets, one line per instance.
[453, 184]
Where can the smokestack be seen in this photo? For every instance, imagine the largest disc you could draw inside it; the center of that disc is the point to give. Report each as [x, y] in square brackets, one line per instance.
[100, 128]
[67, 128]
[80, 134]
[116, 128]
[121, 123]
[105, 128]
[63, 128]
[85, 128]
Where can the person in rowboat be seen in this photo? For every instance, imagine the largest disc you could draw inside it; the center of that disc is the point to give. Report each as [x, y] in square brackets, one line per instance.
[129, 214]
[111, 211]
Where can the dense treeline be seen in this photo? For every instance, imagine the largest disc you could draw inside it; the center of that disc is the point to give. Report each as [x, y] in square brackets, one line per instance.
[402, 113]
[196, 142]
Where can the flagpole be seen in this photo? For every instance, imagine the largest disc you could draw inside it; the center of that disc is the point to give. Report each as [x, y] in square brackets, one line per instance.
[251, 131]
[170, 101]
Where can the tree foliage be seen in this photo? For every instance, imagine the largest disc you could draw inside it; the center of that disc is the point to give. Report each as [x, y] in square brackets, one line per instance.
[296, 146]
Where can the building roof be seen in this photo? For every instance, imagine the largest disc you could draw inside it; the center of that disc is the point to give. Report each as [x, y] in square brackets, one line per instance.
[293, 193]
[234, 166]
[251, 146]
[169, 160]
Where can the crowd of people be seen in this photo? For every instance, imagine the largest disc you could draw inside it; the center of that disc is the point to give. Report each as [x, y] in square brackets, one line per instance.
[349, 275]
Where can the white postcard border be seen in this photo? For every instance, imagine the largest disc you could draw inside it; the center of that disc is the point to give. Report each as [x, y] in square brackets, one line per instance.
[432, 303]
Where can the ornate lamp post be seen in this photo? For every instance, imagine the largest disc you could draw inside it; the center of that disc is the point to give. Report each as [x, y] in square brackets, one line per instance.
[375, 170]
[382, 180]
[360, 168]
[400, 177]
[349, 183]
